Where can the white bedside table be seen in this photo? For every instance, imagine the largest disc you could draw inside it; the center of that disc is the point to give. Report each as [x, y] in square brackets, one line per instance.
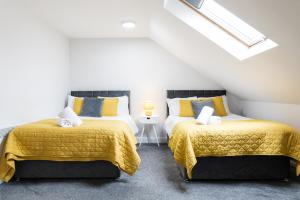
[151, 121]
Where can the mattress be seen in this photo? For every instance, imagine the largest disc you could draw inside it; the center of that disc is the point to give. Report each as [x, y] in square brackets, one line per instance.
[171, 121]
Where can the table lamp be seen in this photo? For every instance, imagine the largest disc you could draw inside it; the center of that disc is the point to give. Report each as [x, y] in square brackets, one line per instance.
[148, 108]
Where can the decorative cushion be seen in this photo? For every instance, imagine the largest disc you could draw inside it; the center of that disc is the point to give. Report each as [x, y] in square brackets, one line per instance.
[174, 105]
[219, 106]
[186, 109]
[198, 106]
[110, 106]
[77, 105]
[91, 107]
[123, 103]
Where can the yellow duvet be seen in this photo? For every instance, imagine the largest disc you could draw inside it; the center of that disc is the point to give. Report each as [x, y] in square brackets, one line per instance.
[233, 138]
[94, 140]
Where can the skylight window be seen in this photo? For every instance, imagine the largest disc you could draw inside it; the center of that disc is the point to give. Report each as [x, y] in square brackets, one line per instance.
[221, 26]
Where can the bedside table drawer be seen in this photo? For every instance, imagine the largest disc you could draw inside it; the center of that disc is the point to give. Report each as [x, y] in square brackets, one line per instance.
[149, 120]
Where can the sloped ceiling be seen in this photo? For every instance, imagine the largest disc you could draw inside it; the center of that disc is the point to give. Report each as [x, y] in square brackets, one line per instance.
[271, 76]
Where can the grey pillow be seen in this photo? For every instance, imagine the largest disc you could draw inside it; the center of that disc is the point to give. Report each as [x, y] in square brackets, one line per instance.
[198, 105]
[91, 107]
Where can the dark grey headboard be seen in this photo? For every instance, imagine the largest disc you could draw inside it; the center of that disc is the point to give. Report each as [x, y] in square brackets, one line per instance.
[103, 93]
[190, 93]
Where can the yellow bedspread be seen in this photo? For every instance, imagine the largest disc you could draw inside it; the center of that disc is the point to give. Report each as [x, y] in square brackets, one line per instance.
[233, 138]
[94, 140]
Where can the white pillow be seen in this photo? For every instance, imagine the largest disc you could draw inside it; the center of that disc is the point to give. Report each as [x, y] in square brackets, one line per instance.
[122, 105]
[70, 101]
[225, 102]
[174, 105]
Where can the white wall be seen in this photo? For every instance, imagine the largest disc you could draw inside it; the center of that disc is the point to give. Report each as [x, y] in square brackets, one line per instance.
[34, 67]
[287, 113]
[234, 103]
[139, 65]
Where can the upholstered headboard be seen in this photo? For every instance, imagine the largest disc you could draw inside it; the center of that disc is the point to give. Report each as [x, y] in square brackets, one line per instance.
[103, 93]
[189, 93]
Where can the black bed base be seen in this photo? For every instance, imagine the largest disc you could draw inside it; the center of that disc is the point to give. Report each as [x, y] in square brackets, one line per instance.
[239, 168]
[68, 169]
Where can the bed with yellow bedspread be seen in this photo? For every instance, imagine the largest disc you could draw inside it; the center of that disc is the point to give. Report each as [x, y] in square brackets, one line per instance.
[108, 140]
[233, 138]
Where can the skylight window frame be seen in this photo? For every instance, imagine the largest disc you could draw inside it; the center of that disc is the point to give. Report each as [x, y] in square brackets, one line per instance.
[223, 27]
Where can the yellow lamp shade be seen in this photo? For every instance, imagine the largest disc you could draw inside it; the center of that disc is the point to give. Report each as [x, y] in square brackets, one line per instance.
[148, 108]
[148, 105]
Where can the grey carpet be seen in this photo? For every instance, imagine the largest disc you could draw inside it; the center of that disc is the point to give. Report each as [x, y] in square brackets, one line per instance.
[157, 178]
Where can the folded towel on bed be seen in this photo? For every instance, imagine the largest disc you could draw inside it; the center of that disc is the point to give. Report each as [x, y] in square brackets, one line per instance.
[70, 115]
[215, 120]
[205, 115]
[66, 123]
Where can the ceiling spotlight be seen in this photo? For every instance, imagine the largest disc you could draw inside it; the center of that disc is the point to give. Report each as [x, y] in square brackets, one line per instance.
[128, 24]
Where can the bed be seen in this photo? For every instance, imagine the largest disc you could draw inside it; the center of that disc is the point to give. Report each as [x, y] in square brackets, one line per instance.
[217, 166]
[81, 168]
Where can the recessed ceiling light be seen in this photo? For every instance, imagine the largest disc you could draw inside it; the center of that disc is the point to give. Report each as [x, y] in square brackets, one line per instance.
[128, 24]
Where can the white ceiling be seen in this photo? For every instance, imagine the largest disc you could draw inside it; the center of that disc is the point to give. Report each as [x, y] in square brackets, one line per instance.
[271, 76]
[93, 18]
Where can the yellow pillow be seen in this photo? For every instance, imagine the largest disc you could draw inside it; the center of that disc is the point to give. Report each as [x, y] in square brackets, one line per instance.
[219, 106]
[77, 106]
[186, 109]
[110, 107]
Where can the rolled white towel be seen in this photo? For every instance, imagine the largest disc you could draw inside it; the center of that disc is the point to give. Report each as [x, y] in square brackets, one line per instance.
[69, 114]
[215, 120]
[205, 115]
[65, 123]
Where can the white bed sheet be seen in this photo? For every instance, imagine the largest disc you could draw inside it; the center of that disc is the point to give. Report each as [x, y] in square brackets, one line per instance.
[171, 121]
[126, 118]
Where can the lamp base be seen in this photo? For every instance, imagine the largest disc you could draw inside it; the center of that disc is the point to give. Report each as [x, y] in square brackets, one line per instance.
[148, 113]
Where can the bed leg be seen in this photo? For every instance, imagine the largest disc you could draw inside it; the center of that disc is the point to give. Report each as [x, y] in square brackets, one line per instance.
[183, 175]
